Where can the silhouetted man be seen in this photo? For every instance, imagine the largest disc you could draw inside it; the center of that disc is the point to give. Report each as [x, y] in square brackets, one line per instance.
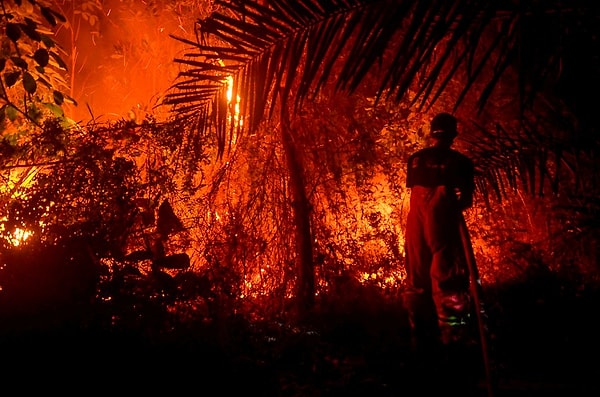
[437, 297]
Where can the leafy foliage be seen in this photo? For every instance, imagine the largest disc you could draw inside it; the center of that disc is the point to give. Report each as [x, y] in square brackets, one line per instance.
[78, 184]
[31, 65]
[95, 200]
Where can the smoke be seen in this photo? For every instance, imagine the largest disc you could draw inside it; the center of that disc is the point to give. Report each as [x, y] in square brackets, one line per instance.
[121, 55]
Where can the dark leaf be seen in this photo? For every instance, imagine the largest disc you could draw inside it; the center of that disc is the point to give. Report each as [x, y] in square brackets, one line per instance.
[41, 57]
[19, 62]
[48, 15]
[30, 30]
[59, 16]
[71, 100]
[12, 31]
[168, 222]
[58, 60]
[58, 97]
[29, 83]
[44, 82]
[47, 40]
[2, 64]
[11, 78]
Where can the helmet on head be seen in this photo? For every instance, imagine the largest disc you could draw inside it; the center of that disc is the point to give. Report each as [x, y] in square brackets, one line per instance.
[443, 125]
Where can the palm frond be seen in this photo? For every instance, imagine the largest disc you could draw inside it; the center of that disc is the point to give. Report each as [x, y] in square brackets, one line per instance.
[283, 51]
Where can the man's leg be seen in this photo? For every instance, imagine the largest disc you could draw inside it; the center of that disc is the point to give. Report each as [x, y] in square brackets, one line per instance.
[423, 320]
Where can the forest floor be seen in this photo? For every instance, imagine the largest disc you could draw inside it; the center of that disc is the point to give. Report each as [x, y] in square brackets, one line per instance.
[543, 339]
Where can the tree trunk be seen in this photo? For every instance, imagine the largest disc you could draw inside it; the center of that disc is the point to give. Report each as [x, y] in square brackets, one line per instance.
[301, 212]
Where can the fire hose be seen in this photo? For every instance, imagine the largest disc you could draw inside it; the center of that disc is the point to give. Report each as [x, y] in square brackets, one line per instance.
[476, 295]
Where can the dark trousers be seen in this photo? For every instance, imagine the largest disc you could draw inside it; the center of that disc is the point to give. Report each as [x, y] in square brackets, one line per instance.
[437, 295]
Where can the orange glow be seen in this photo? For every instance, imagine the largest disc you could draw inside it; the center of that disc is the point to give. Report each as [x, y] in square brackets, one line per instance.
[17, 237]
[235, 117]
[383, 279]
[120, 70]
[17, 180]
[20, 236]
[16, 183]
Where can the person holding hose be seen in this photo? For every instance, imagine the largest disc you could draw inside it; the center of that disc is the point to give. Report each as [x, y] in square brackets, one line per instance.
[437, 295]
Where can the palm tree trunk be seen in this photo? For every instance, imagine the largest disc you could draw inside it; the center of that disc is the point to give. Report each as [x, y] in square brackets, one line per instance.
[301, 211]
